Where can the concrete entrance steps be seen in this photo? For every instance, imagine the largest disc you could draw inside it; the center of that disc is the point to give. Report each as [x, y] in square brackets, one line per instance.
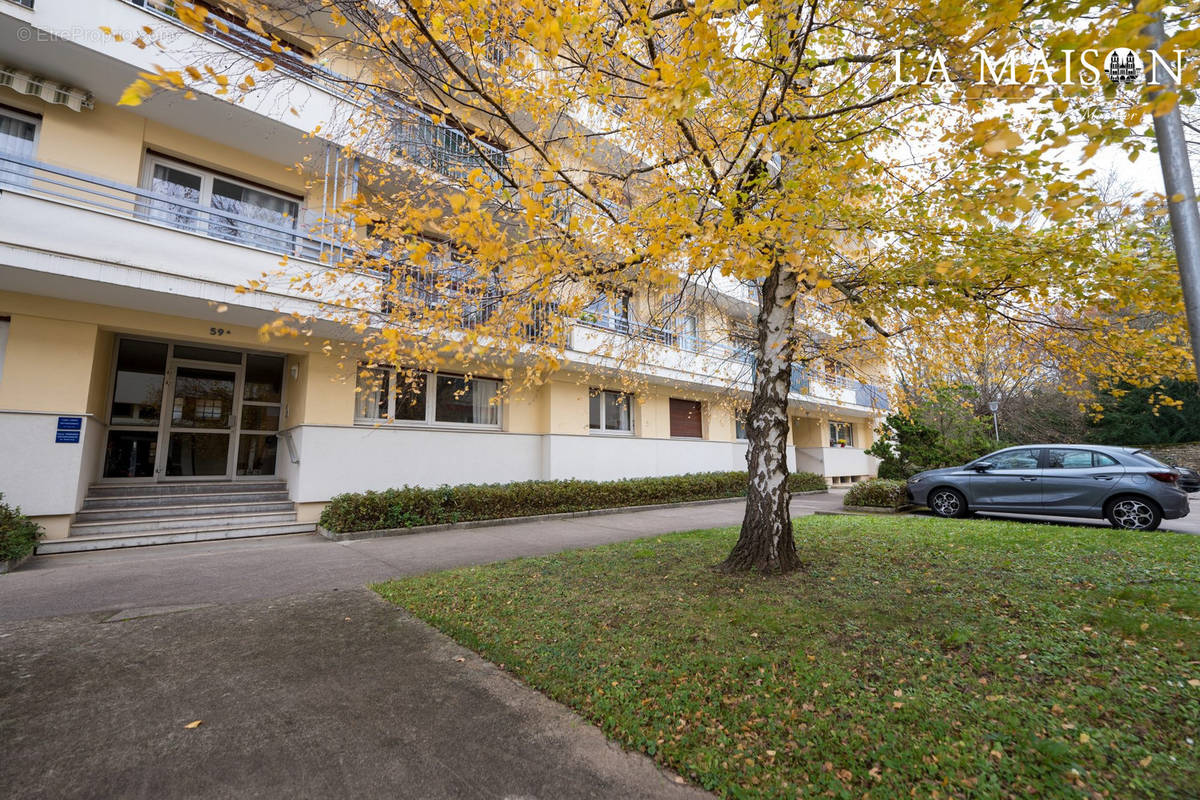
[115, 516]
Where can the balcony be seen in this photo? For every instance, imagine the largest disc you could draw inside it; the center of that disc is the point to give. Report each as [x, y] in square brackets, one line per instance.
[223, 27]
[443, 148]
[235, 224]
[839, 389]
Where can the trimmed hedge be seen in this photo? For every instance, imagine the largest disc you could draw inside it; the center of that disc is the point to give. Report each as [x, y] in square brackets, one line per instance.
[411, 506]
[877, 492]
[18, 533]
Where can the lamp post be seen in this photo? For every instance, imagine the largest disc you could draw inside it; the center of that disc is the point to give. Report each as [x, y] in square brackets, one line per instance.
[994, 406]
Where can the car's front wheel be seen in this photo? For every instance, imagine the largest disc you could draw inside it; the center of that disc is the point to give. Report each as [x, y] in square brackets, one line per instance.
[947, 503]
[1133, 514]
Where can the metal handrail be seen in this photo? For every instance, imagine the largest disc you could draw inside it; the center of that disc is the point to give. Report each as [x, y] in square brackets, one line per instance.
[47, 180]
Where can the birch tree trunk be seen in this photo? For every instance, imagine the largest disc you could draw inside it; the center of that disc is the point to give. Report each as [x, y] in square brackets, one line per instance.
[766, 541]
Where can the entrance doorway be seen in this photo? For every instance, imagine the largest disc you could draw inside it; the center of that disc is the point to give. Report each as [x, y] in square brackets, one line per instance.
[201, 428]
[182, 412]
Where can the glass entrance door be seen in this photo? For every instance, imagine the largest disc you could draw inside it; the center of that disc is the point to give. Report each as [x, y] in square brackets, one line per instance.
[201, 425]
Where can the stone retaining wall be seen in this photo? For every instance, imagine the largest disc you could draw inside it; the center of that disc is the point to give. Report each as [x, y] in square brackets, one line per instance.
[1185, 454]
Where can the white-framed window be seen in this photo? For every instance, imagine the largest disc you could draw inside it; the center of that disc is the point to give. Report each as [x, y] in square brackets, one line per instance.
[407, 397]
[841, 433]
[610, 412]
[687, 328]
[739, 424]
[252, 215]
[18, 137]
[613, 315]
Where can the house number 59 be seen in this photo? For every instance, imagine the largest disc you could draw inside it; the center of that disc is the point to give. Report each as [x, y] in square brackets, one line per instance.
[218, 331]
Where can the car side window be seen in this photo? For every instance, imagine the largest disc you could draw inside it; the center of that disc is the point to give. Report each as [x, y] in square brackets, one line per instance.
[1101, 460]
[1016, 459]
[1062, 458]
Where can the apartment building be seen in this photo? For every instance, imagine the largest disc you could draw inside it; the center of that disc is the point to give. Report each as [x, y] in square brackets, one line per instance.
[138, 401]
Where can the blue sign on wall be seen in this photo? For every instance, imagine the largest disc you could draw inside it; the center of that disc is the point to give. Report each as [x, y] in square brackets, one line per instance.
[70, 423]
[66, 437]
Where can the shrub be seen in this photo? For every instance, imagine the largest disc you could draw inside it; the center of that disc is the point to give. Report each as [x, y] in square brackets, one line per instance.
[18, 533]
[892, 469]
[878, 492]
[411, 506]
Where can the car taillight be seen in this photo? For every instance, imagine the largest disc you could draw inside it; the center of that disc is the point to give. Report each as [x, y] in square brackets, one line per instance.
[1165, 477]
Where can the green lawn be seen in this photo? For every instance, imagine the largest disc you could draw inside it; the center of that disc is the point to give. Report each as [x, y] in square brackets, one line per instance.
[940, 657]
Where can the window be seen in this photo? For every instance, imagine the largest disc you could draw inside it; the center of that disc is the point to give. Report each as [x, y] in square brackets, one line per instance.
[835, 371]
[466, 402]
[252, 215]
[610, 412]
[1063, 458]
[685, 419]
[739, 425]
[1026, 458]
[611, 315]
[841, 434]
[385, 394]
[687, 332]
[18, 137]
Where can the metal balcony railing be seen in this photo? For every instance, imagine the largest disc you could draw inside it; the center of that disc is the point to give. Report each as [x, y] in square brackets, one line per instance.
[616, 323]
[88, 191]
[444, 148]
[228, 31]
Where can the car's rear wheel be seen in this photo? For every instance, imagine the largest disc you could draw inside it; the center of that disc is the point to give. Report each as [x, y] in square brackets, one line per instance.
[1133, 514]
[947, 503]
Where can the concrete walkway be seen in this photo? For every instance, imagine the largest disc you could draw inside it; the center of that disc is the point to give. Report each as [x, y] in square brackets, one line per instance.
[325, 695]
[305, 683]
[240, 570]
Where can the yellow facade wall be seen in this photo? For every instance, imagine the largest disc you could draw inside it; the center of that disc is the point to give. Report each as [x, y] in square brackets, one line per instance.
[567, 408]
[324, 391]
[47, 365]
[807, 432]
[525, 412]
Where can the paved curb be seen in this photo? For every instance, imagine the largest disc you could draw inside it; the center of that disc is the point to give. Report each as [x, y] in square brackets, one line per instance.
[15, 563]
[486, 523]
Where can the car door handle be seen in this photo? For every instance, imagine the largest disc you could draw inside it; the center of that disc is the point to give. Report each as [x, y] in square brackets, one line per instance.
[1102, 477]
[1029, 477]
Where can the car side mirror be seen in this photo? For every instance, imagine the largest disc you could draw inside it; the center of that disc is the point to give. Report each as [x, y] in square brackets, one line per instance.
[982, 466]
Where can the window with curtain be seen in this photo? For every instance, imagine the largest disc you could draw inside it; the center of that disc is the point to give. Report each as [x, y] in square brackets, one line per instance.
[841, 433]
[251, 215]
[385, 394]
[610, 412]
[18, 137]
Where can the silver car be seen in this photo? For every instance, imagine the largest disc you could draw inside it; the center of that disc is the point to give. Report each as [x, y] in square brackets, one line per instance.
[1126, 486]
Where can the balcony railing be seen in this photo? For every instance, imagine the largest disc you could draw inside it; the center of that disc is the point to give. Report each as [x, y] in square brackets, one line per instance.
[444, 148]
[615, 323]
[88, 191]
[228, 31]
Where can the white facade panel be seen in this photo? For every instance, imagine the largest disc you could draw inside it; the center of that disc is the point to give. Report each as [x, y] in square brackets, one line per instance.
[836, 461]
[39, 475]
[355, 459]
